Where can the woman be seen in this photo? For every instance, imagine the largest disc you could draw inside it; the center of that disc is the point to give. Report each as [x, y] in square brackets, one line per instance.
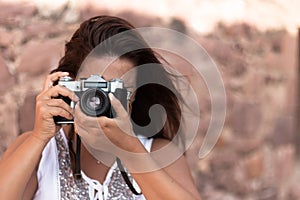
[40, 163]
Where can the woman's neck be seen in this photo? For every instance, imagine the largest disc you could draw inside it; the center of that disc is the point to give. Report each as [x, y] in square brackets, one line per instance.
[93, 168]
[107, 159]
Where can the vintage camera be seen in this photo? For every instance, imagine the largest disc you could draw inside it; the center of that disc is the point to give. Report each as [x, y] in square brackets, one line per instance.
[93, 95]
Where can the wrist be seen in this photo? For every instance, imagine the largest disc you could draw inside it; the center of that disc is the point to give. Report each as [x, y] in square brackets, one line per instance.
[135, 157]
[131, 145]
[43, 139]
[138, 162]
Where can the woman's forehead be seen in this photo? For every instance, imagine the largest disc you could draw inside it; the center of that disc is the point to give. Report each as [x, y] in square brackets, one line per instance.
[108, 67]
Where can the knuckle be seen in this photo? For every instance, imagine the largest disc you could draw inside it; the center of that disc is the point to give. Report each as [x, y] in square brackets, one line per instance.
[52, 102]
[43, 117]
[42, 109]
[55, 112]
[62, 112]
[59, 101]
[103, 122]
[38, 97]
[57, 87]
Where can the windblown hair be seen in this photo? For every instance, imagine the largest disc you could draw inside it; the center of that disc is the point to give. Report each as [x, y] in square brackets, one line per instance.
[99, 29]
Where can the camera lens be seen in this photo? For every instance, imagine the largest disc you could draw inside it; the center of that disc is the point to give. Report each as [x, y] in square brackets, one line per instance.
[94, 102]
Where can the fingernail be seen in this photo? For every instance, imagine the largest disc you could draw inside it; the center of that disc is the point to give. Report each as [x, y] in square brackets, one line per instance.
[76, 98]
[111, 96]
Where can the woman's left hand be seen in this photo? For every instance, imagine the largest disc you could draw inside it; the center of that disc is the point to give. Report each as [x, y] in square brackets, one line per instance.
[109, 135]
[106, 134]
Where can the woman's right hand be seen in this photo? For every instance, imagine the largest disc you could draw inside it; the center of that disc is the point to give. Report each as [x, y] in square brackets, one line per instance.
[47, 106]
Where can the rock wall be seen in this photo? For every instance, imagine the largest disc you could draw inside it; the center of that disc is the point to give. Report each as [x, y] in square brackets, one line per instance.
[255, 157]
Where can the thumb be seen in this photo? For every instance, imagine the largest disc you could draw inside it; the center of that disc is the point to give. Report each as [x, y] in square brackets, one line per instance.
[117, 106]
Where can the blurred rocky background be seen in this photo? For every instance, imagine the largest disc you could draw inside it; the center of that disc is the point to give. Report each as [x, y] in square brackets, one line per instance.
[253, 43]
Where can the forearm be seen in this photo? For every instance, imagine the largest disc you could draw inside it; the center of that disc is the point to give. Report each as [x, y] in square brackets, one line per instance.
[154, 181]
[17, 168]
[159, 185]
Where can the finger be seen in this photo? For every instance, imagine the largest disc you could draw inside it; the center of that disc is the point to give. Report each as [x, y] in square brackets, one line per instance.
[117, 106]
[80, 130]
[85, 131]
[56, 111]
[91, 136]
[48, 83]
[82, 118]
[60, 103]
[87, 134]
[60, 90]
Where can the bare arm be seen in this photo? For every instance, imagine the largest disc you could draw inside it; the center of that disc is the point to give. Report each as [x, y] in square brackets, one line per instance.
[171, 182]
[18, 168]
[19, 164]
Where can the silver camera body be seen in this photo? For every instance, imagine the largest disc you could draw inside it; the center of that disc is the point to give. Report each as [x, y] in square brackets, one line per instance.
[93, 95]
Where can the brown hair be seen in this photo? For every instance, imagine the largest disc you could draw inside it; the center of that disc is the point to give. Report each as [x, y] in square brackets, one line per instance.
[98, 29]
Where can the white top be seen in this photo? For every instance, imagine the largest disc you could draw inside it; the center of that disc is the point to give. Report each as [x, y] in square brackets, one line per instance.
[48, 175]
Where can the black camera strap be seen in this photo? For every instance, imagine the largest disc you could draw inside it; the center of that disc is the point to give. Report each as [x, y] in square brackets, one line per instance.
[126, 178]
[77, 172]
[124, 174]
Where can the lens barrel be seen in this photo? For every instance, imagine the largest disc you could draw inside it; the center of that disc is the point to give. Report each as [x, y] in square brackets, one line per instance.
[95, 102]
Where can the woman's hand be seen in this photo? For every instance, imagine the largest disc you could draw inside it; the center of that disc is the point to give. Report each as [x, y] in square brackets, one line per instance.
[106, 134]
[109, 135]
[47, 106]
